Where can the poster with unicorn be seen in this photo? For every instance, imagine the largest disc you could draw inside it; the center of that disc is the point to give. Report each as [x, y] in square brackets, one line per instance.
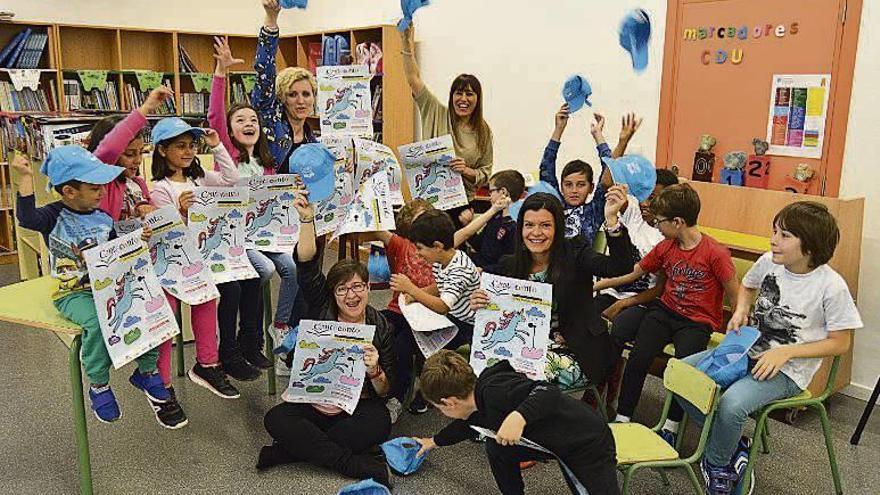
[345, 103]
[132, 310]
[216, 221]
[370, 210]
[330, 212]
[429, 175]
[372, 157]
[514, 327]
[180, 270]
[328, 364]
[271, 223]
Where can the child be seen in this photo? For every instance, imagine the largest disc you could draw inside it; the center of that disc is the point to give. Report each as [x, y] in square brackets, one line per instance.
[699, 271]
[582, 217]
[498, 237]
[241, 135]
[120, 141]
[804, 311]
[455, 277]
[176, 171]
[70, 226]
[516, 407]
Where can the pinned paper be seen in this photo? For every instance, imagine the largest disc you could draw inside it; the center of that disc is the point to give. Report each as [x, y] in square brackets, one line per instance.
[25, 78]
[93, 79]
[201, 81]
[148, 80]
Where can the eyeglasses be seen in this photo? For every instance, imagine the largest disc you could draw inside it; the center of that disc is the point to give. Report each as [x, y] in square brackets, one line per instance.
[357, 288]
[657, 221]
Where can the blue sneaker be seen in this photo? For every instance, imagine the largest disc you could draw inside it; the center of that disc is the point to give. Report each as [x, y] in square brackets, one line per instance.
[104, 404]
[151, 385]
[740, 460]
[719, 480]
[669, 437]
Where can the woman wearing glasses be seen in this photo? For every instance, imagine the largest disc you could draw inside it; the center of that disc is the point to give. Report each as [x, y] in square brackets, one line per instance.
[324, 435]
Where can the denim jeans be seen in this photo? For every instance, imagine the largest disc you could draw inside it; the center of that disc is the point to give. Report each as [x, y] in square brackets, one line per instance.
[738, 401]
[266, 264]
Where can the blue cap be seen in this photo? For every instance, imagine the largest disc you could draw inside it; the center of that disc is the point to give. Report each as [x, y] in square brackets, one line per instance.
[576, 92]
[540, 186]
[409, 7]
[289, 4]
[288, 343]
[314, 164]
[635, 32]
[402, 455]
[172, 127]
[72, 162]
[635, 171]
[365, 487]
[729, 361]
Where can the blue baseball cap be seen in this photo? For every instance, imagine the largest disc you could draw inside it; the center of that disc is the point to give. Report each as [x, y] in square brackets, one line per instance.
[365, 487]
[289, 4]
[409, 7]
[729, 362]
[314, 164]
[635, 171]
[72, 162]
[402, 454]
[576, 92]
[172, 127]
[635, 32]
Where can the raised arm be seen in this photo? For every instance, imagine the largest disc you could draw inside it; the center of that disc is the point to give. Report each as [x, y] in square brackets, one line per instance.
[547, 172]
[410, 66]
[463, 234]
[217, 102]
[263, 97]
[117, 140]
[628, 127]
[29, 216]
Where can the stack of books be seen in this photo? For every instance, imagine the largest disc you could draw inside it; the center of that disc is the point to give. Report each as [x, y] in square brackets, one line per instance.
[27, 100]
[136, 98]
[195, 103]
[101, 100]
[186, 63]
[24, 51]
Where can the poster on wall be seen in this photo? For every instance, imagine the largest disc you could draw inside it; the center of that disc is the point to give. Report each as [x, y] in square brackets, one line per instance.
[344, 100]
[796, 121]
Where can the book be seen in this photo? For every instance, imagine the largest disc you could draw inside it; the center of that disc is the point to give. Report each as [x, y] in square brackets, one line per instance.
[315, 57]
[10, 47]
[33, 51]
[186, 63]
[13, 56]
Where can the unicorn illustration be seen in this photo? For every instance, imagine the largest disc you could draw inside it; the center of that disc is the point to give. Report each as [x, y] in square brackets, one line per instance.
[325, 363]
[214, 236]
[339, 102]
[122, 301]
[505, 330]
[264, 215]
[162, 258]
[427, 177]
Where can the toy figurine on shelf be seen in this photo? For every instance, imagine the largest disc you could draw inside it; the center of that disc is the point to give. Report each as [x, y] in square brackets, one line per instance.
[758, 171]
[734, 163]
[704, 159]
[799, 181]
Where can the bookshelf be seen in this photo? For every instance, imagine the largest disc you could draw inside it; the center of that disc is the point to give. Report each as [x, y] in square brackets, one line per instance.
[123, 56]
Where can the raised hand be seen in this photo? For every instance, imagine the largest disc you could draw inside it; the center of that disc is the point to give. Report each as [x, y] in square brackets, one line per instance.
[629, 124]
[212, 139]
[598, 126]
[272, 9]
[155, 100]
[223, 55]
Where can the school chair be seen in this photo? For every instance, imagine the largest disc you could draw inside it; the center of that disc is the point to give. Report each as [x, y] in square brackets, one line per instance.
[267, 337]
[866, 414]
[640, 447]
[803, 400]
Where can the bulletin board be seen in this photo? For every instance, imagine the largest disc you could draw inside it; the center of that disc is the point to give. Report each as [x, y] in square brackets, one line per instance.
[720, 60]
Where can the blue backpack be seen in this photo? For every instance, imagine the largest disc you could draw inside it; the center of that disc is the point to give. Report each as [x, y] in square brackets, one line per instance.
[729, 362]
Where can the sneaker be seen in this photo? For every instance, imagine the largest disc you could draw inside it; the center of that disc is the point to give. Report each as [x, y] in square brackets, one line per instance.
[104, 404]
[281, 368]
[740, 460]
[719, 480]
[240, 369]
[418, 405]
[256, 359]
[669, 437]
[150, 384]
[394, 409]
[214, 379]
[169, 414]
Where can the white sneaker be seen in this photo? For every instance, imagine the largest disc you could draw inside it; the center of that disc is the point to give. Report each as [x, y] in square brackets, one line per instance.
[394, 409]
[281, 368]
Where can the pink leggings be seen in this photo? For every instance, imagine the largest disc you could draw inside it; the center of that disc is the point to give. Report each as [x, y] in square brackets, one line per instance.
[204, 327]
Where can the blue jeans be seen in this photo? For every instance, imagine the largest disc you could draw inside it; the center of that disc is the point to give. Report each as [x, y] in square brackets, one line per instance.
[266, 264]
[738, 401]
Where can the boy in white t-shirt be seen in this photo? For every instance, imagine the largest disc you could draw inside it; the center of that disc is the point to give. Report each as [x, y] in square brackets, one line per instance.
[804, 311]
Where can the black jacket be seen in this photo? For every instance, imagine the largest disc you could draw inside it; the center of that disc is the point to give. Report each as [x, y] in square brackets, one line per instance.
[566, 426]
[313, 286]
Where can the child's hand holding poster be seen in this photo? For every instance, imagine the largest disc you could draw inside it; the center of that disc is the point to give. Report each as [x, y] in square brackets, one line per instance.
[371, 209]
[271, 223]
[330, 212]
[514, 327]
[328, 364]
[428, 173]
[345, 101]
[180, 270]
[372, 157]
[216, 220]
[132, 309]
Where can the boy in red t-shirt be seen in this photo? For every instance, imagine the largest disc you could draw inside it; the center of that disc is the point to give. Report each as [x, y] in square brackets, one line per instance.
[699, 271]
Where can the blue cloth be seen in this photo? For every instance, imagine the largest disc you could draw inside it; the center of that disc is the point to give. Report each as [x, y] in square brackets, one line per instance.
[365, 487]
[72, 162]
[314, 163]
[289, 342]
[635, 171]
[729, 361]
[582, 219]
[171, 127]
[635, 33]
[409, 7]
[541, 186]
[290, 4]
[402, 455]
[576, 92]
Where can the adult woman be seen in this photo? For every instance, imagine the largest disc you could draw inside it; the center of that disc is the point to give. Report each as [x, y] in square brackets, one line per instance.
[543, 254]
[285, 100]
[462, 117]
[325, 435]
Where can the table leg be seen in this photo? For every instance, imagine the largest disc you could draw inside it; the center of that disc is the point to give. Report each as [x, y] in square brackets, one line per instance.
[79, 417]
[869, 408]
